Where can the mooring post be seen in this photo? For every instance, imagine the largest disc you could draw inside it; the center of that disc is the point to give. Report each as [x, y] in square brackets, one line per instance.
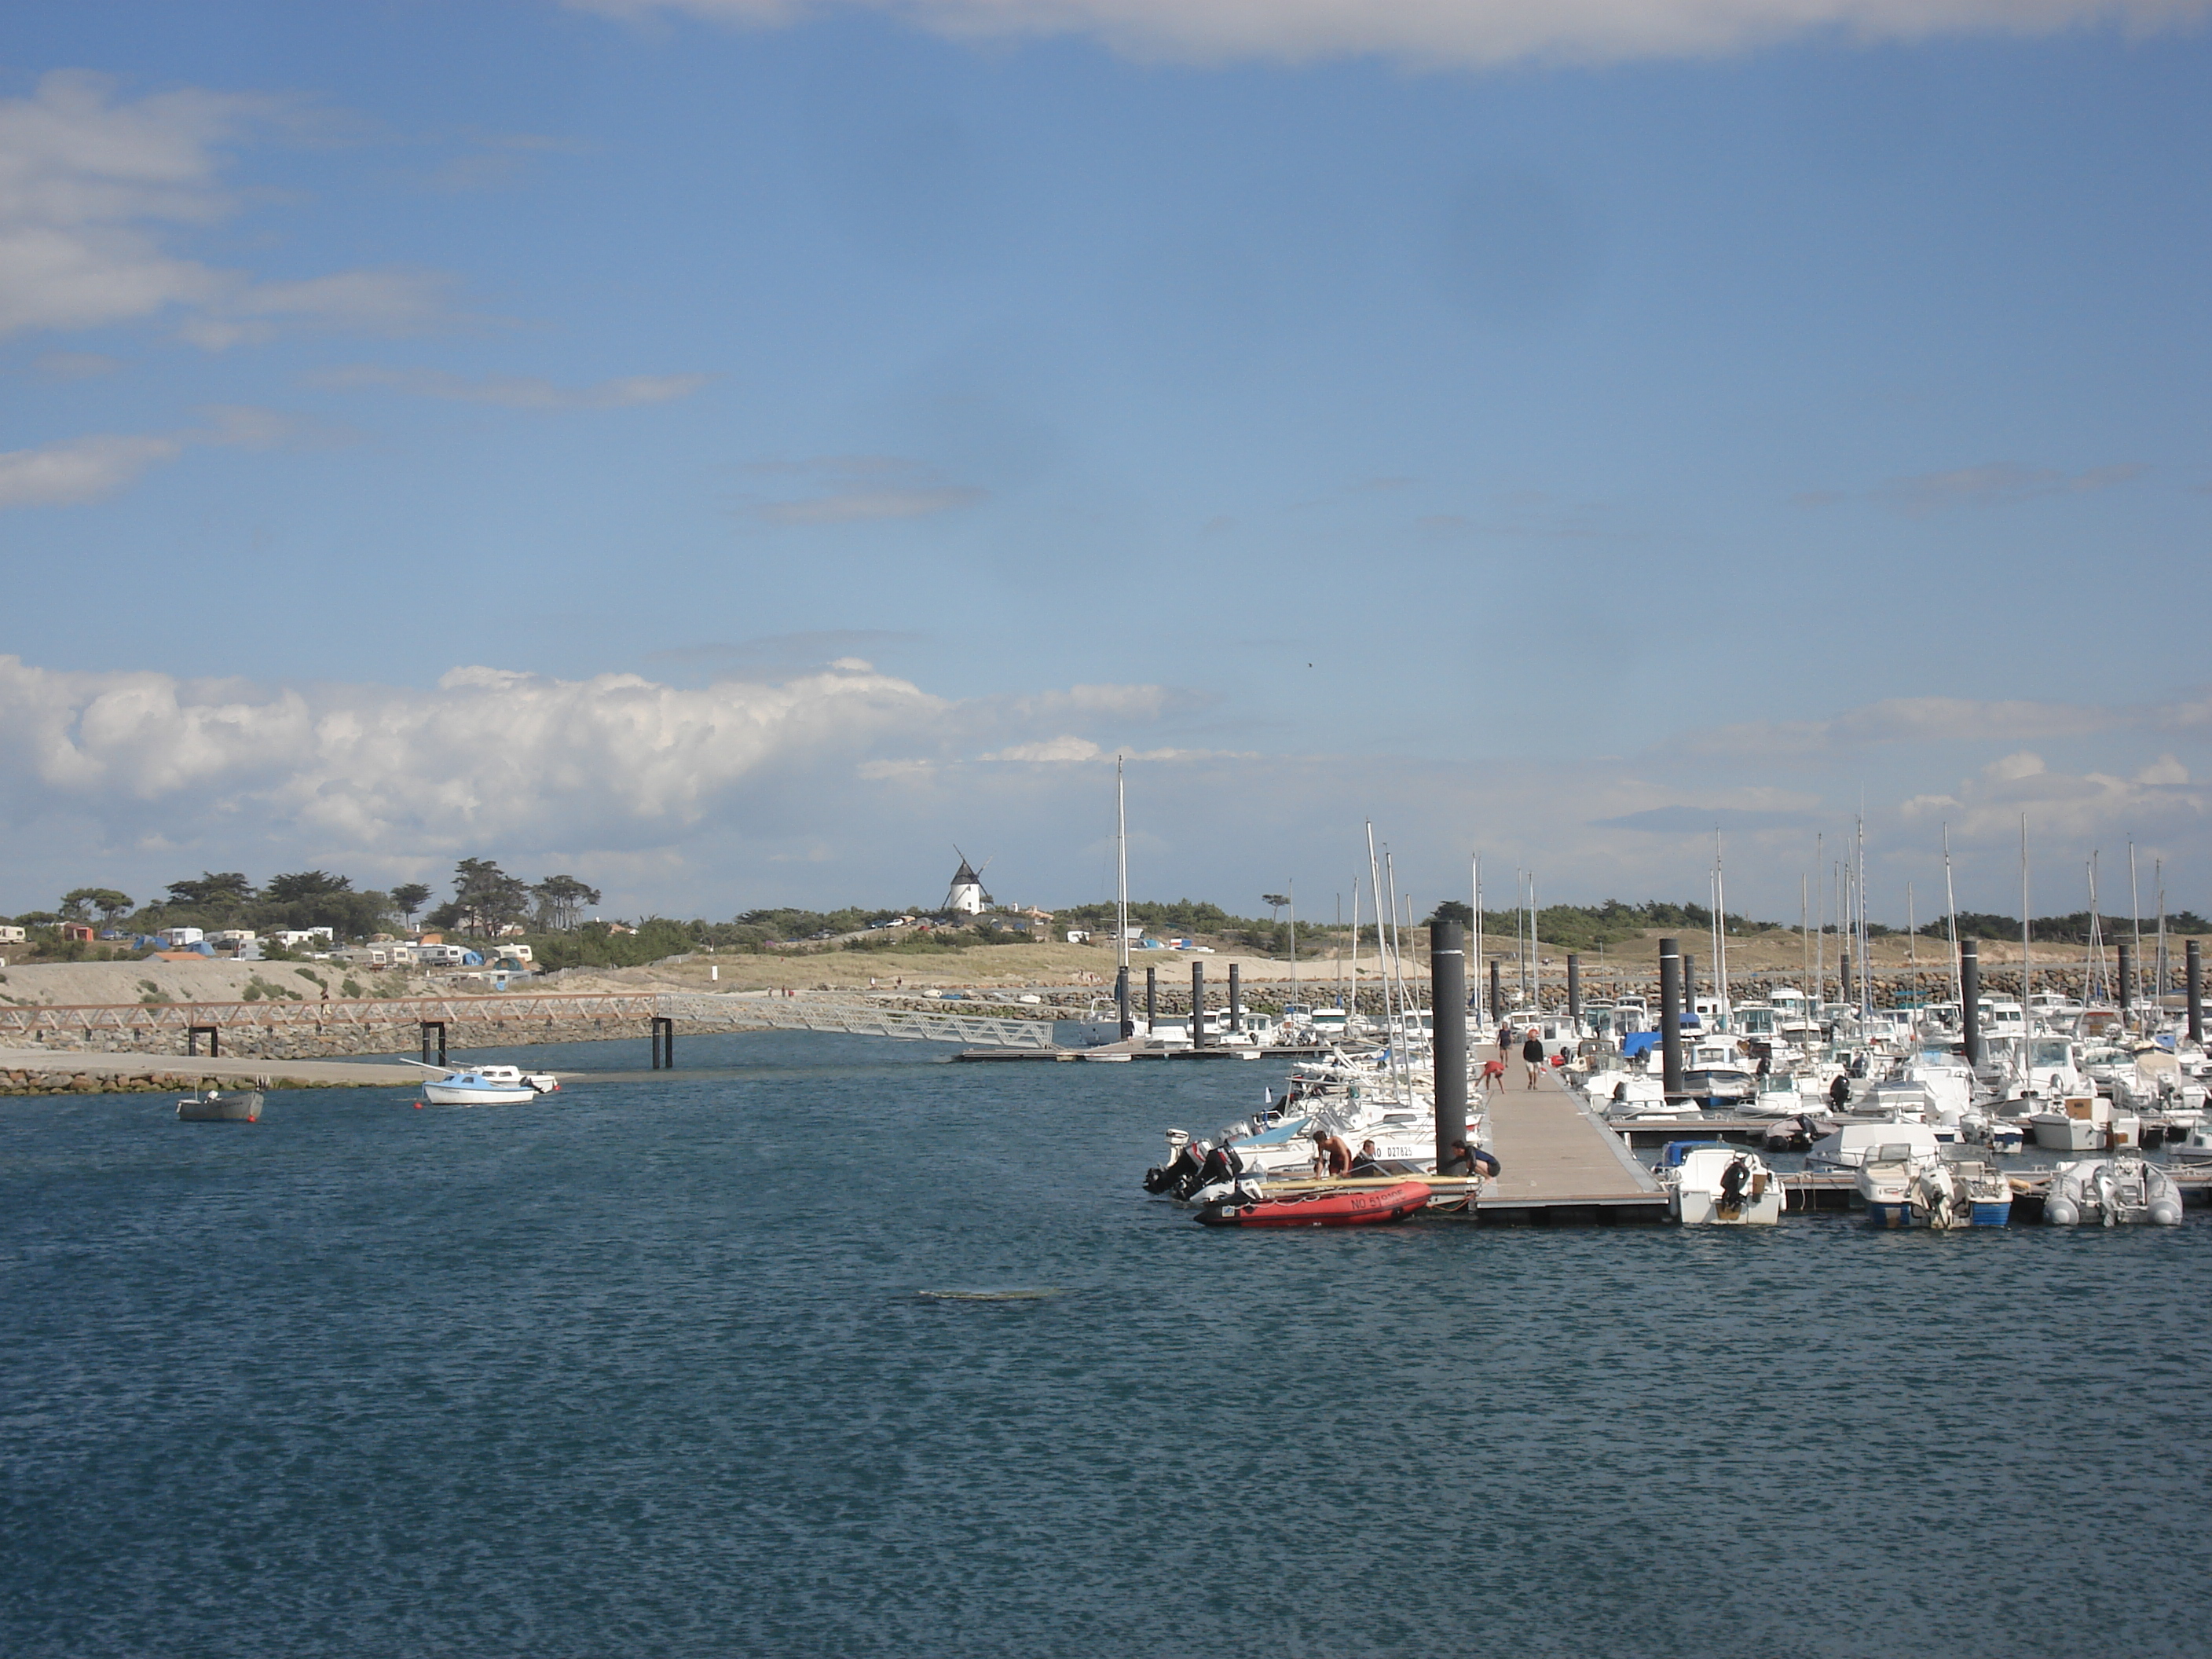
[1843, 984]
[1198, 1005]
[1689, 1003]
[664, 1043]
[1670, 1015]
[439, 1026]
[1575, 986]
[2195, 994]
[2127, 981]
[1970, 997]
[1152, 1000]
[1236, 999]
[1495, 996]
[1122, 1002]
[1447, 986]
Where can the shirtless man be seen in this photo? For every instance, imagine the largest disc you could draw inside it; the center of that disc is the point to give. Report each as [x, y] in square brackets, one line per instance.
[1330, 1151]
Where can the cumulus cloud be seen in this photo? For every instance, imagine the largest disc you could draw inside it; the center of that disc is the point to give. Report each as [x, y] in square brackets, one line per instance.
[90, 188]
[1453, 32]
[617, 759]
[851, 489]
[2159, 799]
[518, 391]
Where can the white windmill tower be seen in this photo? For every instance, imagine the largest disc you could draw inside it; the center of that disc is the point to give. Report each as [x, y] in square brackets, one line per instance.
[966, 894]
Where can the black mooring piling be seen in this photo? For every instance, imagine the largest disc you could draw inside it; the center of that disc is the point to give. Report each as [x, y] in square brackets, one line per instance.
[1447, 988]
[1670, 1014]
[1122, 1002]
[2127, 978]
[1574, 985]
[1151, 999]
[2195, 994]
[1236, 999]
[1198, 1005]
[1497, 996]
[1970, 997]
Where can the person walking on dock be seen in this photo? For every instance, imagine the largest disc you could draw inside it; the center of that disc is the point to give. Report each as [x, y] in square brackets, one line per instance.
[1531, 1055]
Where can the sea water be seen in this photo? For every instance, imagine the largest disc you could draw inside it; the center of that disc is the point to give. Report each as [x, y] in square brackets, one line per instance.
[841, 1350]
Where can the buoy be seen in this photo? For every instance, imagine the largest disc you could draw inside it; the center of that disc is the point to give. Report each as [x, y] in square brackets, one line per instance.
[418, 1105]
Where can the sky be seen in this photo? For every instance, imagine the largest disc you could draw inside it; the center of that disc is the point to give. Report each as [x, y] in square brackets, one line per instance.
[732, 451]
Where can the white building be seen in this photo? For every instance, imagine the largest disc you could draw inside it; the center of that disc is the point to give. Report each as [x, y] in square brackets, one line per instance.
[177, 937]
[966, 894]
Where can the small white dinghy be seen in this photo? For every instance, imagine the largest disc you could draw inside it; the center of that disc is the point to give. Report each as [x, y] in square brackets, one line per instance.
[485, 1085]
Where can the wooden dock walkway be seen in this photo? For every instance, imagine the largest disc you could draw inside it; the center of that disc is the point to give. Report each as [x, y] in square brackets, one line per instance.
[1560, 1163]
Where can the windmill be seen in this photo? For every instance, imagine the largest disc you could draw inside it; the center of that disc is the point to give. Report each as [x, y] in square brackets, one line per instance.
[966, 894]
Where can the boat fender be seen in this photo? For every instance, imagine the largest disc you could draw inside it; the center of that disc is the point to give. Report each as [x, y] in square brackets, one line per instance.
[2062, 1212]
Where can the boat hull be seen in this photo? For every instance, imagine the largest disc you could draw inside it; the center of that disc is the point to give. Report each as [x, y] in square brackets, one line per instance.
[439, 1094]
[220, 1108]
[1366, 1208]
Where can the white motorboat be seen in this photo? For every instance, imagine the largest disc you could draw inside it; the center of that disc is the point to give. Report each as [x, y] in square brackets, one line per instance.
[1906, 1185]
[1711, 1183]
[2126, 1190]
[1851, 1143]
[486, 1085]
[1640, 1098]
[2079, 1123]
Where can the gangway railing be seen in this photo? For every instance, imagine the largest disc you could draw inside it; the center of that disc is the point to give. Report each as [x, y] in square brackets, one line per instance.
[739, 1011]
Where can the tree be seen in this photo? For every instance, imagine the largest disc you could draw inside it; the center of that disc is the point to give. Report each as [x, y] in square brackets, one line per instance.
[1453, 910]
[1274, 901]
[490, 898]
[559, 899]
[221, 892]
[411, 897]
[305, 884]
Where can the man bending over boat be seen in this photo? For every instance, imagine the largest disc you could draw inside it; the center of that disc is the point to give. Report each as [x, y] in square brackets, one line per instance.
[1464, 1159]
[1330, 1151]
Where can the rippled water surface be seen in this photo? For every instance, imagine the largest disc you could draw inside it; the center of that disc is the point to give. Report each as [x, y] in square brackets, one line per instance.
[698, 1366]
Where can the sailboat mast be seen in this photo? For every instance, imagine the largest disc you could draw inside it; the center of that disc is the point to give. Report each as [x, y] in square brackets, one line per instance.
[1820, 938]
[1125, 1024]
[2025, 983]
[1912, 943]
[1474, 962]
[1720, 932]
[1951, 910]
[1294, 939]
[2134, 908]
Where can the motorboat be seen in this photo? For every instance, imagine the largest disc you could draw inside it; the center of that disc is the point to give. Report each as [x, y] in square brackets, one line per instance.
[1322, 1206]
[216, 1106]
[1888, 1179]
[1709, 1183]
[1848, 1147]
[1904, 1186]
[1637, 1098]
[1714, 1071]
[486, 1085]
[2124, 1190]
[2079, 1123]
[2195, 1147]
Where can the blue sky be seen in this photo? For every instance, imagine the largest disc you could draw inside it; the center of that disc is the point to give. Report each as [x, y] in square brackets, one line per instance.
[733, 452]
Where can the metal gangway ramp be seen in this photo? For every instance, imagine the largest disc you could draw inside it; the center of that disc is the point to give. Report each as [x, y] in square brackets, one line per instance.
[753, 1011]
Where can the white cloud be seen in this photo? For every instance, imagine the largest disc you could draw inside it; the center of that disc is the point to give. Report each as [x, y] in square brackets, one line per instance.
[90, 185]
[517, 391]
[1052, 749]
[618, 759]
[1460, 32]
[80, 470]
[89, 469]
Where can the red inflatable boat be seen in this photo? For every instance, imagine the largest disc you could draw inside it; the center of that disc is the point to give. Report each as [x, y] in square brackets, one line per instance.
[1362, 1207]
